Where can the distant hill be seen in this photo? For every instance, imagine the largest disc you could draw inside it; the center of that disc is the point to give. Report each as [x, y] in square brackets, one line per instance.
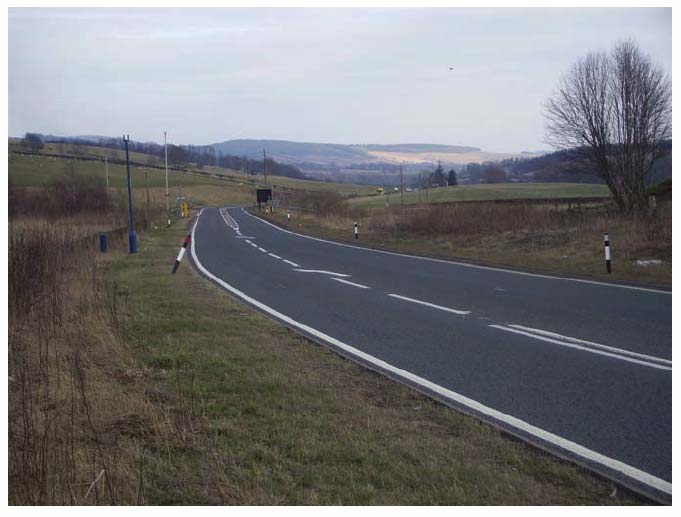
[422, 148]
[309, 155]
[564, 166]
[294, 152]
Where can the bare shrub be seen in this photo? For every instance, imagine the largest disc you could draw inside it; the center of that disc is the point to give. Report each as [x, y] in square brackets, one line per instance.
[470, 220]
[323, 202]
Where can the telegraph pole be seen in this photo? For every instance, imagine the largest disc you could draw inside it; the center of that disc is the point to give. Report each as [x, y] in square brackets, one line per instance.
[106, 168]
[420, 185]
[165, 145]
[132, 237]
[264, 166]
[401, 191]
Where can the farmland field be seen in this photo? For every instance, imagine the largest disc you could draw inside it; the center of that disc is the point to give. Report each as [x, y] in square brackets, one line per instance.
[488, 193]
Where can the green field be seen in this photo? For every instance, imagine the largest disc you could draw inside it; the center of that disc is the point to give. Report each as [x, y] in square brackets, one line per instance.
[36, 171]
[32, 170]
[488, 193]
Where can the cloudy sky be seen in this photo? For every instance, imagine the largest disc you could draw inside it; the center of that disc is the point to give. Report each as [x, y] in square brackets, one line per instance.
[344, 75]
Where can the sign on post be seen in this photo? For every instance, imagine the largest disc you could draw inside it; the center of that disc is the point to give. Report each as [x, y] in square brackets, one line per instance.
[263, 195]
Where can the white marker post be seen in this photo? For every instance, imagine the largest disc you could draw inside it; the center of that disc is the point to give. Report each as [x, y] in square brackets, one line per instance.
[356, 231]
[183, 249]
[288, 215]
[608, 266]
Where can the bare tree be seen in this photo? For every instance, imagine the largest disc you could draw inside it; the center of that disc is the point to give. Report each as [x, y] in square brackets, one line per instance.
[615, 109]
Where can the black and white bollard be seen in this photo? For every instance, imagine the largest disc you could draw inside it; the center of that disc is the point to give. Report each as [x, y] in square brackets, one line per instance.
[183, 249]
[608, 266]
[356, 231]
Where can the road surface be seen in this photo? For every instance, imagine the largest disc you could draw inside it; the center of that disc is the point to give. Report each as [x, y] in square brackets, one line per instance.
[578, 367]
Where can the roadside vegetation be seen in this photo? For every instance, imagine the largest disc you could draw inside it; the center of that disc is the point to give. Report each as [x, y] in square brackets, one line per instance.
[131, 386]
[553, 237]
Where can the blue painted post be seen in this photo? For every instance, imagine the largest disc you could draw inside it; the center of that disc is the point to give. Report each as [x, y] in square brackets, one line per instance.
[132, 237]
[103, 242]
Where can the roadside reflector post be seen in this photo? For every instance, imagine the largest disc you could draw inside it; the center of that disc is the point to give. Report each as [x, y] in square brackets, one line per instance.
[356, 231]
[288, 215]
[183, 249]
[606, 240]
[103, 242]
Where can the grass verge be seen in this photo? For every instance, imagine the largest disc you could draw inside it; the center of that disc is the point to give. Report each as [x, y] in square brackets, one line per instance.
[241, 410]
[524, 237]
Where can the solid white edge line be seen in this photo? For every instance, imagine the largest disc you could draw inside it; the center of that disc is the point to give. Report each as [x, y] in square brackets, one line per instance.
[273, 255]
[432, 305]
[585, 349]
[262, 249]
[291, 263]
[464, 264]
[321, 272]
[351, 283]
[521, 425]
[588, 344]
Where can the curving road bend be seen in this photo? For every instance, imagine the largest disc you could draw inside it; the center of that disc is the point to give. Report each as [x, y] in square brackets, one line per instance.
[578, 367]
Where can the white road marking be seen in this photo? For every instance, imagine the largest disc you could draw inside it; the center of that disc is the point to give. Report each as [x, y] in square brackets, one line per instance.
[597, 346]
[229, 220]
[262, 249]
[321, 271]
[253, 244]
[273, 255]
[520, 425]
[249, 242]
[464, 264]
[291, 263]
[351, 283]
[244, 237]
[440, 307]
[581, 347]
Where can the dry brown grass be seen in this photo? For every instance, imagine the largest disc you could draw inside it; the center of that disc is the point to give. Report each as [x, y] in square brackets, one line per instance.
[523, 236]
[63, 358]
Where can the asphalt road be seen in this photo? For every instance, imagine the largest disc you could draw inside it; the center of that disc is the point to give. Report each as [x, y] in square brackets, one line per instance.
[581, 368]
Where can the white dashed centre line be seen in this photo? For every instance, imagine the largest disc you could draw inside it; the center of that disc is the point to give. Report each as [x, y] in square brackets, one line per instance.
[322, 272]
[432, 305]
[351, 283]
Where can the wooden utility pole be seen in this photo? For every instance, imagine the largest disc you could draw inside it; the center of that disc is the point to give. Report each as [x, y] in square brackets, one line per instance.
[106, 168]
[264, 166]
[420, 186]
[146, 208]
[165, 146]
[401, 191]
[428, 188]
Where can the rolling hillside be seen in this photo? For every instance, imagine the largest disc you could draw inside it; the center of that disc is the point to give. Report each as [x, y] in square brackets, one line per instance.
[309, 154]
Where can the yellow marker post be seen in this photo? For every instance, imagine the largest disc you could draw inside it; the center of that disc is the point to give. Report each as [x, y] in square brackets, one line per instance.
[185, 209]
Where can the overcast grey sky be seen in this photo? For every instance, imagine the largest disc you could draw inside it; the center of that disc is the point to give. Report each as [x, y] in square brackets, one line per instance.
[343, 75]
